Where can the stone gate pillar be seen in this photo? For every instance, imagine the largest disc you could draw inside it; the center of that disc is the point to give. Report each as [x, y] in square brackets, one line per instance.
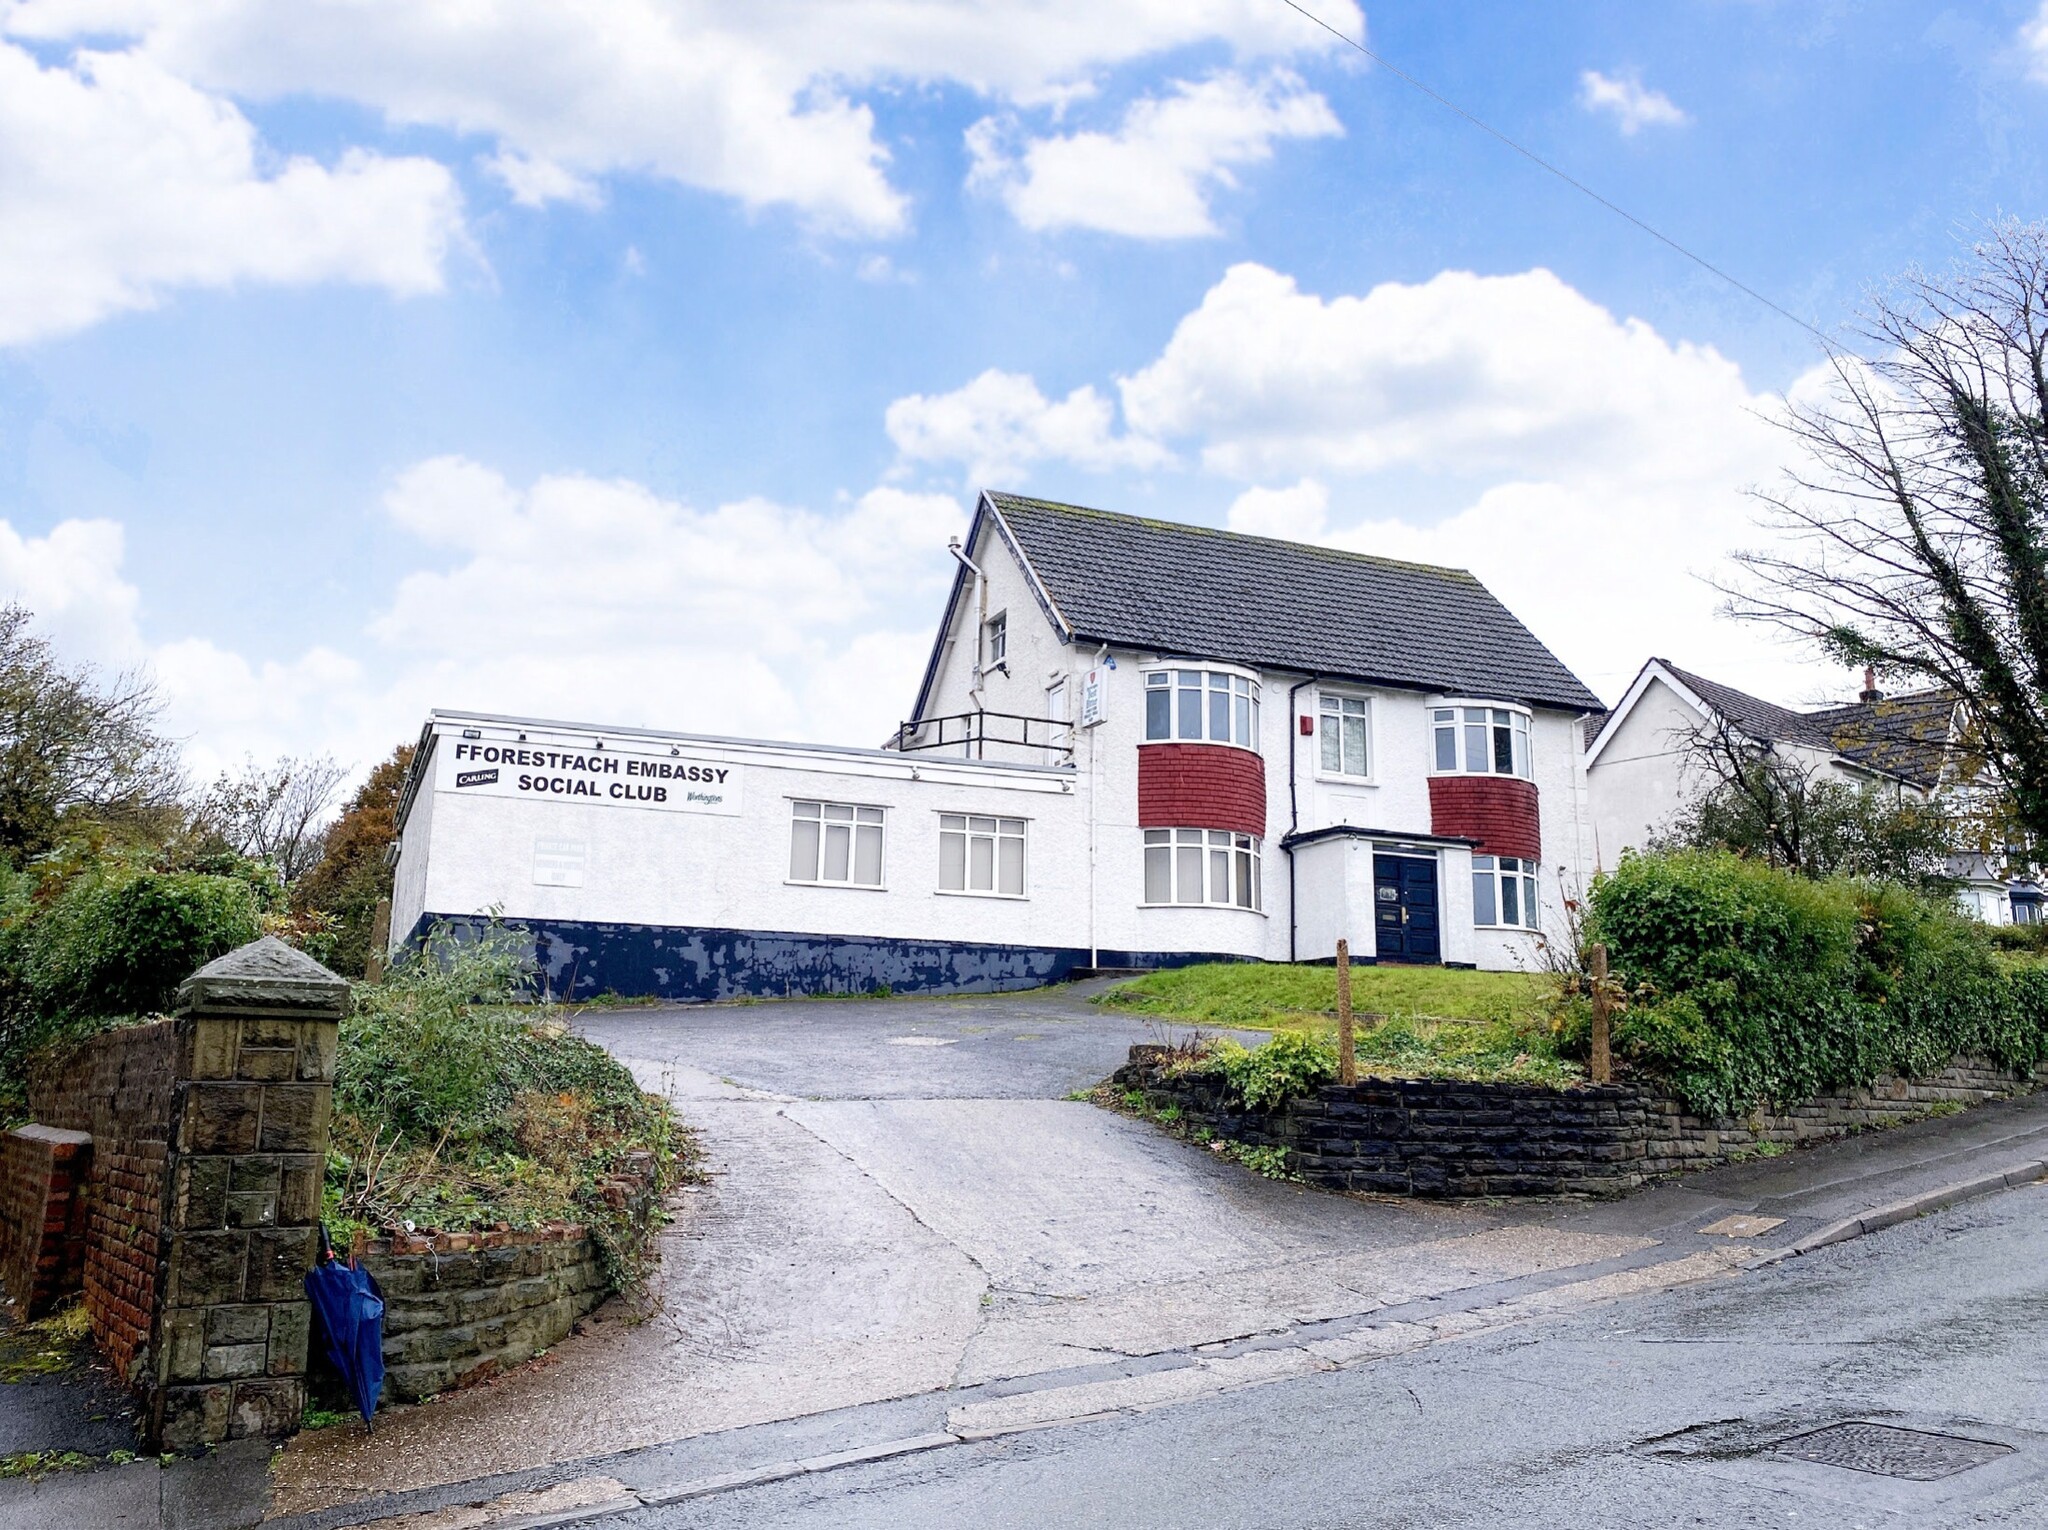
[255, 1042]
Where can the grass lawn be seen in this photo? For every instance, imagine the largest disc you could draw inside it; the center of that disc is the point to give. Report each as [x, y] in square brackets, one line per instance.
[1272, 996]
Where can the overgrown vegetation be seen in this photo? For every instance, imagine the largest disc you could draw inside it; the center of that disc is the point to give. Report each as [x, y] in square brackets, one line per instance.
[1744, 984]
[458, 1108]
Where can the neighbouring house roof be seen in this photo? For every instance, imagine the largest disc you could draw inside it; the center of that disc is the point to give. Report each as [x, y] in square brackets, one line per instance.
[1907, 736]
[1179, 589]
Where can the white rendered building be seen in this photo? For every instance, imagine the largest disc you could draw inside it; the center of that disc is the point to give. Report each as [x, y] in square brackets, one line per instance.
[1137, 743]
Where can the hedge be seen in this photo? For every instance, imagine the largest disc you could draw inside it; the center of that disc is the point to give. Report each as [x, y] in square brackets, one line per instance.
[1745, 984]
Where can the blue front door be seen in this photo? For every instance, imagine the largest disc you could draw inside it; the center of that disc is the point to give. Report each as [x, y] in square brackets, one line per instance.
[1404, 909]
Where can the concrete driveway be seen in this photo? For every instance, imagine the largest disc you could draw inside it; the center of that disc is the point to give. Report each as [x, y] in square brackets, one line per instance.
[904, 1200]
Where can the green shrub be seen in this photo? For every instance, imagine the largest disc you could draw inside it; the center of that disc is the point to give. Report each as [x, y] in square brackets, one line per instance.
[111, 944]
[2030, 938]
[1745, 984]
[1264, 1078]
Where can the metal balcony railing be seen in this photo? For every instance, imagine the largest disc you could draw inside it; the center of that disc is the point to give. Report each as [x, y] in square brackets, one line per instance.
[970, 735]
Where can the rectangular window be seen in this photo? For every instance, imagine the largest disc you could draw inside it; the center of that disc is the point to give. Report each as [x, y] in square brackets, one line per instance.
[1202, 706]
[1343, 725]
[1446, 739]
[1202, 866]
[1159, 704]
[998, 638]
[1504, 891]
[981, 855]
[835, 842]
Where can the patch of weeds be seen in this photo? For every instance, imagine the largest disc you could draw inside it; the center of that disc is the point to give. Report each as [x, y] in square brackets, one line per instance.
[1267, 1162]
[1756, 1150]
[322, 1418]
[1944, 1108]
[34, 1465]
[47, 1347]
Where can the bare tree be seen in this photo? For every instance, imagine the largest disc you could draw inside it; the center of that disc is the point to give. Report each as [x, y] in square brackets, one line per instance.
[1917, 538]
[77, 748]
[1769, 803]
[274, 813]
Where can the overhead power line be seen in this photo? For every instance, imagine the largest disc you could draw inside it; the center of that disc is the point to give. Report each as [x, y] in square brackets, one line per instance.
[1572, 181]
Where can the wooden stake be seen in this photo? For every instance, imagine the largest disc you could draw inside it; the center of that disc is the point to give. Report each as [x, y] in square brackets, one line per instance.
[1347, 1039]
[380, 937]
[1603, 1061]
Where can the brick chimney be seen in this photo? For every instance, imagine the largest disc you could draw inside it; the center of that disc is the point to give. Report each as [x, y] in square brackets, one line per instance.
[1870, 690]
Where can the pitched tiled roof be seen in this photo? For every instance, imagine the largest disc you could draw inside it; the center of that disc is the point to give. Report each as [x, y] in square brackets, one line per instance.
[1180, 589]
[1907, 736]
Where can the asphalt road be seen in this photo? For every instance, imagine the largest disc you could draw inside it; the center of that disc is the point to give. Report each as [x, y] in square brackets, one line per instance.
[1656, 1411]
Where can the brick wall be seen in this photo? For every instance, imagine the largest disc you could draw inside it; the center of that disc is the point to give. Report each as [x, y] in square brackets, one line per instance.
[1201, 786]
[119, 1088]
[1449, 1140]
[1498, 811]
[42, 1215]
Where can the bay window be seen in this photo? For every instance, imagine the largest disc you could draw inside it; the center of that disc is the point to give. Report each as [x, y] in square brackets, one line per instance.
[1209, 866]
[1202, 706]
[1344, 723]
[1480, 741]
[1504, 891]
[981, 855]
[835, 843]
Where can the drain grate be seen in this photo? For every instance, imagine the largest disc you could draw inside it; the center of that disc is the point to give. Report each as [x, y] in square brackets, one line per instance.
[1886, 1451]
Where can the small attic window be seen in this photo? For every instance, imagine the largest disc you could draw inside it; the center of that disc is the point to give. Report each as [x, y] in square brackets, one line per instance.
[997, 647]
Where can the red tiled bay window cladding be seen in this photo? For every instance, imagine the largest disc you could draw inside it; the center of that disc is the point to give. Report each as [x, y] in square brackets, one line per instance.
[1498, 811]
[1201, 786]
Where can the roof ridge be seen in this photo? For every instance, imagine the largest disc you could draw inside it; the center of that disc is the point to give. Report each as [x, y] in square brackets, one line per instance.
[1195, 529]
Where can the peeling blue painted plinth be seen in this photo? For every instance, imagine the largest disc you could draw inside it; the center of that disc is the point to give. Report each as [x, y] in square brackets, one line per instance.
[580, 959]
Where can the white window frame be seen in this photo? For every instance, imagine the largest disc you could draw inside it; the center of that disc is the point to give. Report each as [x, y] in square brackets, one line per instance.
[996, 642]
[1190, 860]
[825, 815]
[1461, 719]
[1499, 871]
[998, 832]
[1325, 712]
[1237, 690]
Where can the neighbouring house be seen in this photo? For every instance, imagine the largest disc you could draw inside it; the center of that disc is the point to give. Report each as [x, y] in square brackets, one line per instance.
[1641, 767]
[1137, 743]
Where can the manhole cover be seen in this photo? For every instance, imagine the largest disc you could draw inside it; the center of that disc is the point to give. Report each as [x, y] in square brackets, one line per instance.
[1886, 1451]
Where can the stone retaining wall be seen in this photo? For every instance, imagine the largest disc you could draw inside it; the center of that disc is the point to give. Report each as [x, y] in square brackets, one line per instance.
[1445, 1139]
[460, 1308]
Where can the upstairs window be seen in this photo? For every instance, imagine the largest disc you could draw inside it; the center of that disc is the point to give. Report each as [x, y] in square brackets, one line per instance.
[981, 855]
[1344, 725]
[1480, 741]
[1202, 706]
[1503, 891]
[998, 644]
[835, 843]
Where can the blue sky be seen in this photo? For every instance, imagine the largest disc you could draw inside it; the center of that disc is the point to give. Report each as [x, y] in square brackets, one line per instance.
[632, 362]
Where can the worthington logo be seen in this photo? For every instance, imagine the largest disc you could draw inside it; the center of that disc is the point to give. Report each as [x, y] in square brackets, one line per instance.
[476, 778]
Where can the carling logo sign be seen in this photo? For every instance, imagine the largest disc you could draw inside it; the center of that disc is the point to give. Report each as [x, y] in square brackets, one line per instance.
[606, 777]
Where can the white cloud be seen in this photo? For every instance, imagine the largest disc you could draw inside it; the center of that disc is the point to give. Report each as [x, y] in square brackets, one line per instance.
[2034, 45]
[1154, 176]
[120, 182]
[751, 101]
[71, 579]
[1299, 513]
[1632, 104]
[537, 182]
[999, 424]
[1458, 374]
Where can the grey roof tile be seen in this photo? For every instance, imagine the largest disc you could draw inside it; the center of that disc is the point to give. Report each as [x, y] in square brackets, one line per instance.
[1180, 589]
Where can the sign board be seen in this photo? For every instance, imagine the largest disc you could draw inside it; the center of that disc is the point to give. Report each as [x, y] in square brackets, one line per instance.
[594, 777]
[1094, 687]
[558, 863]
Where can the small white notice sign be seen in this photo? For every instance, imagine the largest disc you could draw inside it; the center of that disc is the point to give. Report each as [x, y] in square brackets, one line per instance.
[1093, 686]
[558, 863]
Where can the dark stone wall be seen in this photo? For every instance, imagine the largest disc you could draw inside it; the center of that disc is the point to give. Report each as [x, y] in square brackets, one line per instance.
[1450, 1140]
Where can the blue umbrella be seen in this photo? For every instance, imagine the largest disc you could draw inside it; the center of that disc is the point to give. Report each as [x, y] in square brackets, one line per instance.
[350, 1306]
